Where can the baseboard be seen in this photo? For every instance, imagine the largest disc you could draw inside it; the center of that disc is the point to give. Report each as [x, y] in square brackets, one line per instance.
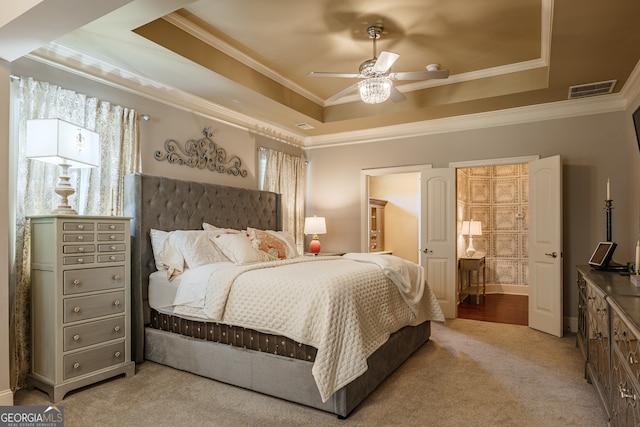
[6, 398]
[494, 288]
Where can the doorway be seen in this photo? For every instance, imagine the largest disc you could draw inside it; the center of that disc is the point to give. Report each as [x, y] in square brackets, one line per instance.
[496, 195]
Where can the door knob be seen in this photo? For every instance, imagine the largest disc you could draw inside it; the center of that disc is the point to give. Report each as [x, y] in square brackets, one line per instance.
[553, 254]
[427, 251]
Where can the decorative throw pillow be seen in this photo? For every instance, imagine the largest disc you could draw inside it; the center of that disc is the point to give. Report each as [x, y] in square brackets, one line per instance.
[270, 244]
[237, 247]
[288, 239]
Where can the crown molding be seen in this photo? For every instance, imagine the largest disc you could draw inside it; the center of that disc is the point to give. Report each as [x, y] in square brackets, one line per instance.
[80, 64]
[70, 60]
[512, 116]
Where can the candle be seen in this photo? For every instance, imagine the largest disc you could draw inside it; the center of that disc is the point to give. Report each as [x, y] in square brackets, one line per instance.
[637, 256]
[608, 189]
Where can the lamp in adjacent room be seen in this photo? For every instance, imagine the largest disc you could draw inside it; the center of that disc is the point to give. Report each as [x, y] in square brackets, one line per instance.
[315, 225]
[471, 228]
[67, 145]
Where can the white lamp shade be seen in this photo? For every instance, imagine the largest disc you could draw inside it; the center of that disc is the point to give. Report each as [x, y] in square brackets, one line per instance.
[471, 228]
[315, 225]
[59, 142]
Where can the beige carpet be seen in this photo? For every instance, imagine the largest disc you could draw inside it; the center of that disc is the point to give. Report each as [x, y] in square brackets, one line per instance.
[470, 373]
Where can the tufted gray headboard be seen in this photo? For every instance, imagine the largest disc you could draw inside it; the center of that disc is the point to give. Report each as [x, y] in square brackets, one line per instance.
[171, 204]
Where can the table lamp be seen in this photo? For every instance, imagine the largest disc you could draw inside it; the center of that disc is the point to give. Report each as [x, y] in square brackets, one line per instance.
[471, 228]
[315, 225]
[65, 144]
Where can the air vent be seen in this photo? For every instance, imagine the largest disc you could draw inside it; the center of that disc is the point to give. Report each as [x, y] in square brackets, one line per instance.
[591, 89]
[305, 126]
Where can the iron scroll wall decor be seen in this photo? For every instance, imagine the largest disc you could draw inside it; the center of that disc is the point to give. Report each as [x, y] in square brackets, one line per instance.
[203, 153]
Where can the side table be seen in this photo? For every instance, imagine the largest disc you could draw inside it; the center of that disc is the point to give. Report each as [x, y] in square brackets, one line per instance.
[469, 265]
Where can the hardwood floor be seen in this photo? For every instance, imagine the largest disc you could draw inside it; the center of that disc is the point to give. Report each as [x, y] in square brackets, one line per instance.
[498, 308]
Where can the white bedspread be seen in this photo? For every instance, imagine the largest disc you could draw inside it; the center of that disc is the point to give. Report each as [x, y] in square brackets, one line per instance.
[345, 308]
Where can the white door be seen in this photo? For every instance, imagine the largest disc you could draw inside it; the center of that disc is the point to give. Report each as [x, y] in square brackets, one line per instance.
[545, 245]
[438, 236]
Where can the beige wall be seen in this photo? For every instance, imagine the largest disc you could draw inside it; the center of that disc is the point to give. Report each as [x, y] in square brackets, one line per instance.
[593, 148]
[402, 193]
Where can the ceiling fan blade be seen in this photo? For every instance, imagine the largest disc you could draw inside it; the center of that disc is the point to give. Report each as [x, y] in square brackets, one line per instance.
[420, 75]
[343, 92]
[330, 74]
[384, 62]
[396, 95]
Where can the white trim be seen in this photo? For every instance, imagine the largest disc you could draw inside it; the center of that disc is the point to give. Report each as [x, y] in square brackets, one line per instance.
[541, 112]
[364, 195]
[6, 398]
[494, 162]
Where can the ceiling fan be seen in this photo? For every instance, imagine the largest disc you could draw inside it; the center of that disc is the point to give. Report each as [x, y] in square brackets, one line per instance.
[376, 85]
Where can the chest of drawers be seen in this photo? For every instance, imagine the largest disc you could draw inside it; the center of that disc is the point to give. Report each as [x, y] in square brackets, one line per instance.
[80, 292]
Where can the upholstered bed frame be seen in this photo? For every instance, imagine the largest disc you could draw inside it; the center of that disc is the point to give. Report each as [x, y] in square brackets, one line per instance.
[170, 204]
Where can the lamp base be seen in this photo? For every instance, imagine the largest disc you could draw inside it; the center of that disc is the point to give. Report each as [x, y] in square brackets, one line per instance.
[64, 189]
[314, 246]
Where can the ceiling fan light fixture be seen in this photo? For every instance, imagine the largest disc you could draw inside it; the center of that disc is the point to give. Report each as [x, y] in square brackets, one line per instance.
[375, 90]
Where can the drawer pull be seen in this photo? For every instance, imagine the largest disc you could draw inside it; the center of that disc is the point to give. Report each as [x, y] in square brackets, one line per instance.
[80, 260]
[112, 227]
[80, 227]
[116, 277]
[116, 303]
[112, 258]
[81, 249]
[117, 354]
[112, 237]
[76, 282]
[76, 309]
[117, 329]
[113, 248]
[76, 337]
[80, 237]
[76, 365]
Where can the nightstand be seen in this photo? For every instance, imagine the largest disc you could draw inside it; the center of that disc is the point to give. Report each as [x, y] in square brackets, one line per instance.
[324, 254]
[80, 297]
[469, 265]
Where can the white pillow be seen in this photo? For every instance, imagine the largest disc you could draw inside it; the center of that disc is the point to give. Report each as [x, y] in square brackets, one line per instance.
[171, 257]
[196, 247]
[209, 227]
[237, 247]
[157, 239]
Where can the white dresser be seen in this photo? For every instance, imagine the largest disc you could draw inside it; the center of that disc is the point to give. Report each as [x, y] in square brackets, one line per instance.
[80, 301]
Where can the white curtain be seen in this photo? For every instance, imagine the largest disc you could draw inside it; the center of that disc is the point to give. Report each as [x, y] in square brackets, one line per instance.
[99, 191]
[285, 174]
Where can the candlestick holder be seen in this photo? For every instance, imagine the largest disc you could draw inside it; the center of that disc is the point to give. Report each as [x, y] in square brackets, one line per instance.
[608, 207]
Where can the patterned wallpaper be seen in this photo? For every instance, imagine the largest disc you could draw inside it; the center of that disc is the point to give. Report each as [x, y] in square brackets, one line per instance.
[498, 196]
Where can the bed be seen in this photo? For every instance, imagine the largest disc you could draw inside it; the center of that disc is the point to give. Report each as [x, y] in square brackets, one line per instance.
[259, 359]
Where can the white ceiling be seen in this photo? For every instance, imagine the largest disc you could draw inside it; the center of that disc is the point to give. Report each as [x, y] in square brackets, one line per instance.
[248, 59]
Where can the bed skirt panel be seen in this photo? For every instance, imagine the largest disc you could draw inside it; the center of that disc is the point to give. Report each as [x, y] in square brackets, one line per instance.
[280, 376]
